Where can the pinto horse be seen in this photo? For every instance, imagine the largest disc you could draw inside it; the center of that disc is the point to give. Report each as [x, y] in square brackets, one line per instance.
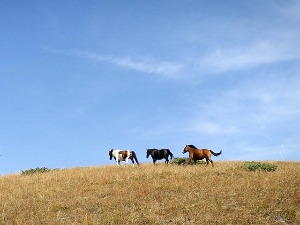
[123, 155]
[199, 154]
[158, 154]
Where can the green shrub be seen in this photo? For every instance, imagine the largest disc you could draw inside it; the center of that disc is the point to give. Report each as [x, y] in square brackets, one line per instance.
[185, 161]
[253, 166]
[35, 170]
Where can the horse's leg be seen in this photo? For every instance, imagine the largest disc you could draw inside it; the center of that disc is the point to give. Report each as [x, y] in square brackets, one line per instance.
[154, 160]
[207, 161]
[132, 162]
[167, 160]
[118, 162]
[191, 158]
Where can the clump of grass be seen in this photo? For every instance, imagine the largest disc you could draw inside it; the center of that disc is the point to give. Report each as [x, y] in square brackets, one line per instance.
[185, 161]
[253, 166]
[35, 170]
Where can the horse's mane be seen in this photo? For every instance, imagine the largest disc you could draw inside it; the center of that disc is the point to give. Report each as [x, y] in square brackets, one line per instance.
[192, 146]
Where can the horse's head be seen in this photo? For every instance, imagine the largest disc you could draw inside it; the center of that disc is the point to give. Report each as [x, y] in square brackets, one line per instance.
[110, 154]
[186, 149]
[148, 152]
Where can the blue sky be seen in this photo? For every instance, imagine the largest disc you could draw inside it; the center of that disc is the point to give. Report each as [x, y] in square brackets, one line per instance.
[78, 78]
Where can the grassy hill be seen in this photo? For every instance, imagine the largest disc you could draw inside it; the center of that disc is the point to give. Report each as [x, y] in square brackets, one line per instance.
[148, 194]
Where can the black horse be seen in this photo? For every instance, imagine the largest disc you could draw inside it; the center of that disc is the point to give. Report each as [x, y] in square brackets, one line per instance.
[158, 154]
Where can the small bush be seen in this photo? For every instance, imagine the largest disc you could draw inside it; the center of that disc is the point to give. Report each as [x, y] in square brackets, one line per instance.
[35, 170]
[185, 161]
[253, 166]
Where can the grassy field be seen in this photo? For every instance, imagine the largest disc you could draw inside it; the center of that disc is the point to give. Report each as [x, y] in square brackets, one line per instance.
[148, 194]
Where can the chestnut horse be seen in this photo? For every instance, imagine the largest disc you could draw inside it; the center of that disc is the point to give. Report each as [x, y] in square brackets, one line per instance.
[199, 154]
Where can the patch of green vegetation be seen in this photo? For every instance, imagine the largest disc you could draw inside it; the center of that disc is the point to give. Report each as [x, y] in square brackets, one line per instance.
[253, 166]
[36, 170]
[185, 161]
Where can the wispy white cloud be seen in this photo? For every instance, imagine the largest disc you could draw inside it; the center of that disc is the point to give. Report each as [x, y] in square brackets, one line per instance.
[218, 60]
[143, 64]
[249, 108]
[147, 66]
[235, 58]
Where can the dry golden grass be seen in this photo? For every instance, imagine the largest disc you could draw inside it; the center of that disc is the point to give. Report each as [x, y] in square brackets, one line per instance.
[148, 194]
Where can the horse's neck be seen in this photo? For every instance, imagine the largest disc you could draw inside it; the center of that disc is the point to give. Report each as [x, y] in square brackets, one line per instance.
[118, 156]
[192, 151]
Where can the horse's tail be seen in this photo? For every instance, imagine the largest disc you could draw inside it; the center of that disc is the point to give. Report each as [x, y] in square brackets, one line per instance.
[135, 158]
[170, 153]
[216, 154]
